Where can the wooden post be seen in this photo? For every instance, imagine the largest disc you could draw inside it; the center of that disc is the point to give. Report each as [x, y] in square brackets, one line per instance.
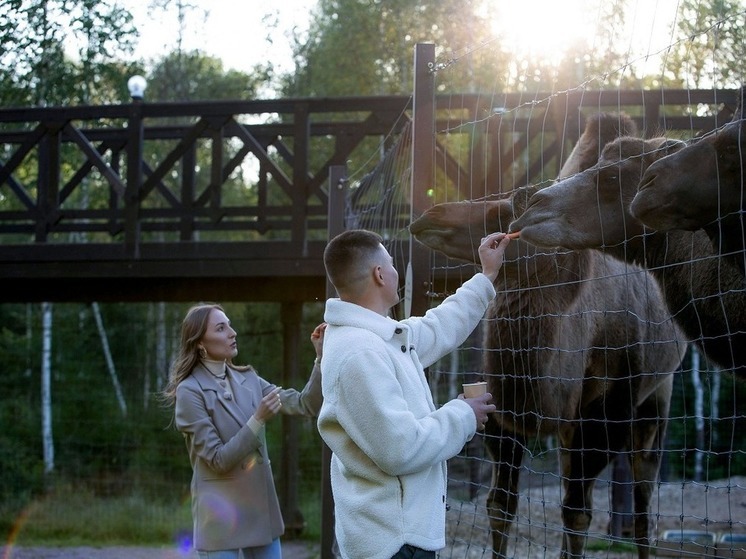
[292, 314]
[338, 186]
[134, 181]
[48, 184]
[423, 149]
[300, 194]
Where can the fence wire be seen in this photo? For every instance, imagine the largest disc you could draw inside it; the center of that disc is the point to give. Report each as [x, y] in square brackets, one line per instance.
[552, 349]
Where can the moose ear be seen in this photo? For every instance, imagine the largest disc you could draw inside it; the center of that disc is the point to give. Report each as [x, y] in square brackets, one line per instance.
[666, 147]
[672, 146]
[521, 197]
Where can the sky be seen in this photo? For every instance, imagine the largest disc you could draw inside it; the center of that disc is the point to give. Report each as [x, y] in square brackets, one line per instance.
[233, 30]
[548, 25]
[236, 30]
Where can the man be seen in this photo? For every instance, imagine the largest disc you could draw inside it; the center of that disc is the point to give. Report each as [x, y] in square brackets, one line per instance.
[389, 441]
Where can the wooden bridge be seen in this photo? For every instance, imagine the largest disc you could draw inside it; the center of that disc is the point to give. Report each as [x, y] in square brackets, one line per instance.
[231, 200]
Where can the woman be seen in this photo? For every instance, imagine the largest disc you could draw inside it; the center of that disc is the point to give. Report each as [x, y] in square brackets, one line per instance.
[221, 409]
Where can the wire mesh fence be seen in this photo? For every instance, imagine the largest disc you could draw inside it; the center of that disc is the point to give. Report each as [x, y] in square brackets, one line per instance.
[612, 349]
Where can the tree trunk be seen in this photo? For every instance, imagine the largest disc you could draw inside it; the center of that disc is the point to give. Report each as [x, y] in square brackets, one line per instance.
[46, 390]
[699, 418]
[146, 384]
[161, 346]
[158, 352]
[29, 339]
[109, 360]
[716, 376]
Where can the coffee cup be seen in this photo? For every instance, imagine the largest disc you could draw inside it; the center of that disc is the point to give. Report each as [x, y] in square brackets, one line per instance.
[474, 389]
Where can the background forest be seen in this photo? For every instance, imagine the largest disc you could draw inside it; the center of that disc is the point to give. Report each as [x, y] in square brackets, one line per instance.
[105, 465]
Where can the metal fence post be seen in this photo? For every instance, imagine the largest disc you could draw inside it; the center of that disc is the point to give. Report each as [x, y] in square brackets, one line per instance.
[338, 186]
[423, 148]
[292, 315]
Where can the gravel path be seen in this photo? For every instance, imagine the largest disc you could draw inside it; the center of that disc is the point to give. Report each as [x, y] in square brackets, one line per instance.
[290, 550]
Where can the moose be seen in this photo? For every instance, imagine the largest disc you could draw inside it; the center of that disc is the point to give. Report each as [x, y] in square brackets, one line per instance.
[700, 186]
[579, 345]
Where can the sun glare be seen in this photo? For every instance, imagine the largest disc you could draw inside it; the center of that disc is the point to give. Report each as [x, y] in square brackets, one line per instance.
[542, 29]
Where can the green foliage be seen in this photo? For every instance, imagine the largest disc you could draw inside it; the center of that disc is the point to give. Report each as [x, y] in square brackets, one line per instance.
[714, 435]
[710, 45]
[21, 464]
[366, 48]
[35, 36]
[194, 76]
[20, 444]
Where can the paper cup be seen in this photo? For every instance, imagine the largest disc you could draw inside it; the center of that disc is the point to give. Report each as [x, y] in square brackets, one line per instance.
[474, 389]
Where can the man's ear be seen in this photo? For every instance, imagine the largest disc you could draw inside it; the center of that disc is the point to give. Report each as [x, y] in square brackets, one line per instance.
[377, 275]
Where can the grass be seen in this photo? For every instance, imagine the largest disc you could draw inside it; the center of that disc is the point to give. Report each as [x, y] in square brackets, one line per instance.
[609, 545]
[311, 509]
[69, 517]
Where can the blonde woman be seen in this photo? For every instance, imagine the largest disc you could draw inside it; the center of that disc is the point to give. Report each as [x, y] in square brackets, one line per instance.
[221, 409]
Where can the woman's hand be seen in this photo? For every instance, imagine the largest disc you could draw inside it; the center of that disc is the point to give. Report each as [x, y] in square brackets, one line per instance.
[317, 339]
[269, 406]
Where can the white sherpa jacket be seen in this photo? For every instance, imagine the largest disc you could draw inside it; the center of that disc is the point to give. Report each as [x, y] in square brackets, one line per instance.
[389, 442]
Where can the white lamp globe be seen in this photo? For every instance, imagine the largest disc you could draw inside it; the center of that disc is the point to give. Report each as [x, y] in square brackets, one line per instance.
[137, 85]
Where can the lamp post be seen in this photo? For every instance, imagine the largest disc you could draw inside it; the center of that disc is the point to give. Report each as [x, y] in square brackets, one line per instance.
[136, 86]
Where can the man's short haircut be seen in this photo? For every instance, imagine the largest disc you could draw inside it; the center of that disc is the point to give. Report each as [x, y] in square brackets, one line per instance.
[347, 254]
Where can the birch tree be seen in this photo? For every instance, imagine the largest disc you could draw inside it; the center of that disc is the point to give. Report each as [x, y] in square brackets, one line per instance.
[109, 359]
[46, 389]
[699, 417]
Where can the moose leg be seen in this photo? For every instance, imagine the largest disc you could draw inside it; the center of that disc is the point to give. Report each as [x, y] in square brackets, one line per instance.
[506, 451]
[582, 462]
[648, 433]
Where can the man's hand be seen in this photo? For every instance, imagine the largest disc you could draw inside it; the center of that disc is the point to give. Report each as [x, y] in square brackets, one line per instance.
[491, 252]
[481, 407]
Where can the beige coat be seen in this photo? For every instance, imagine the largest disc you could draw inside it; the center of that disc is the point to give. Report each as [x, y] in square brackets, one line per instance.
[234, 503]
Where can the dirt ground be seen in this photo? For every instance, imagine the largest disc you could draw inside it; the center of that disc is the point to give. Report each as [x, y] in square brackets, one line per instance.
[717, 507]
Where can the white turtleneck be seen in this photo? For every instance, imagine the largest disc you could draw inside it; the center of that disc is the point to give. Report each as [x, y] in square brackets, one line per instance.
[217, 368]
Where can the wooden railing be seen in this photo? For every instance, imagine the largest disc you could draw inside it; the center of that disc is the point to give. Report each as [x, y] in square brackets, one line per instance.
[127, 200]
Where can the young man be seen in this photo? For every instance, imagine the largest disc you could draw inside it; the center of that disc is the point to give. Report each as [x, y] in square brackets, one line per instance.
[389, 441]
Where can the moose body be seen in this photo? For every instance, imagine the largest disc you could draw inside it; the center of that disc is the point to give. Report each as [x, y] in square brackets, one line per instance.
[580, 346]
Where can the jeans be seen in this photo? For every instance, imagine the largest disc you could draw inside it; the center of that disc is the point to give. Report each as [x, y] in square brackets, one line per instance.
[411, 552]
[271, 551]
